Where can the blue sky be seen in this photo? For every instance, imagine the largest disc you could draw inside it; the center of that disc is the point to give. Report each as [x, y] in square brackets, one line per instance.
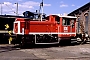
[50, 6]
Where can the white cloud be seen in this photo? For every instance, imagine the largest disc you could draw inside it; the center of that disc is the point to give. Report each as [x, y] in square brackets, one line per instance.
[19, 0]
[8, 3]
[47, 4]
[73, 5]
[61, 2]
[9, 7]
[32, 3]
[63, 5]
[25, 6]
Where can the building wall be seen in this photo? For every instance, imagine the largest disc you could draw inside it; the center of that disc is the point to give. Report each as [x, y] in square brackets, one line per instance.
[89, 22]
[83, 16]
[80, 21]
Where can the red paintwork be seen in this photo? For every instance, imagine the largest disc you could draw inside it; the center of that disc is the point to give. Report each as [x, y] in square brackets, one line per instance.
[61, 29]
[44, 26]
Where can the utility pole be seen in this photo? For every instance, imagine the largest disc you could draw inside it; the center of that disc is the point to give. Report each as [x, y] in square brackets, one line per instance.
[17, 9]
[41, 7]
[1, 8]
[42, 10]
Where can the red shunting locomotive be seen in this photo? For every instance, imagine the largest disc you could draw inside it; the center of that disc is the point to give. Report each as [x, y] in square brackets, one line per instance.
[50, 30]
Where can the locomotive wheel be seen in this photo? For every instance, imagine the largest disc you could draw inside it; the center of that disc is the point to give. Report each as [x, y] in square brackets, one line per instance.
[22, 43]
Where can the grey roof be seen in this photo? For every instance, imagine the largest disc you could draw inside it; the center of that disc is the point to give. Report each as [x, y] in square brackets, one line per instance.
[10, 16]
[84, 7]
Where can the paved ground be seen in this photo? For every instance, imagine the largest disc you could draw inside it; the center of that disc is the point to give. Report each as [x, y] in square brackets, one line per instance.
[77, 52]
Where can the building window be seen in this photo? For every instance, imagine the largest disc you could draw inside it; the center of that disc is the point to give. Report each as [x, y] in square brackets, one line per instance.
[57, 18]
[78, 24]
[86, 24]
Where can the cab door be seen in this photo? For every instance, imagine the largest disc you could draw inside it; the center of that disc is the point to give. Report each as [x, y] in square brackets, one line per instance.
[65, 28]
[16, 29]
[27, 25]
[68, 26]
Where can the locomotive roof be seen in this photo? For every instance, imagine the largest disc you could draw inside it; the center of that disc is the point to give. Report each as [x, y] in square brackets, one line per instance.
[65, 16]
[68, 16]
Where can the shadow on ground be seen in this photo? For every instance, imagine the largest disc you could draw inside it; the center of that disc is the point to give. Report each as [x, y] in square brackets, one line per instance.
[29, 46]
[7, 47]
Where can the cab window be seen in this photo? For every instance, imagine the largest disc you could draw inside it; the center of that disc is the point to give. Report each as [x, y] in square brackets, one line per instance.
[66, 21]
[57, 18]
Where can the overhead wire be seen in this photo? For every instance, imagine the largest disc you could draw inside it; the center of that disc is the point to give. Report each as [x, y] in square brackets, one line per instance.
[10, 8]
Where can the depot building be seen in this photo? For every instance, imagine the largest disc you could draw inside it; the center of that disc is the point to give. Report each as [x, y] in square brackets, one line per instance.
[83, 18]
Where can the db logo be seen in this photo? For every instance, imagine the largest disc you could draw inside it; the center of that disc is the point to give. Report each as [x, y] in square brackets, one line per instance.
[65, 28]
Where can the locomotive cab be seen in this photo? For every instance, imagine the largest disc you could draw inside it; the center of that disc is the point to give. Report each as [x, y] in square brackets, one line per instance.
[67, 29]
